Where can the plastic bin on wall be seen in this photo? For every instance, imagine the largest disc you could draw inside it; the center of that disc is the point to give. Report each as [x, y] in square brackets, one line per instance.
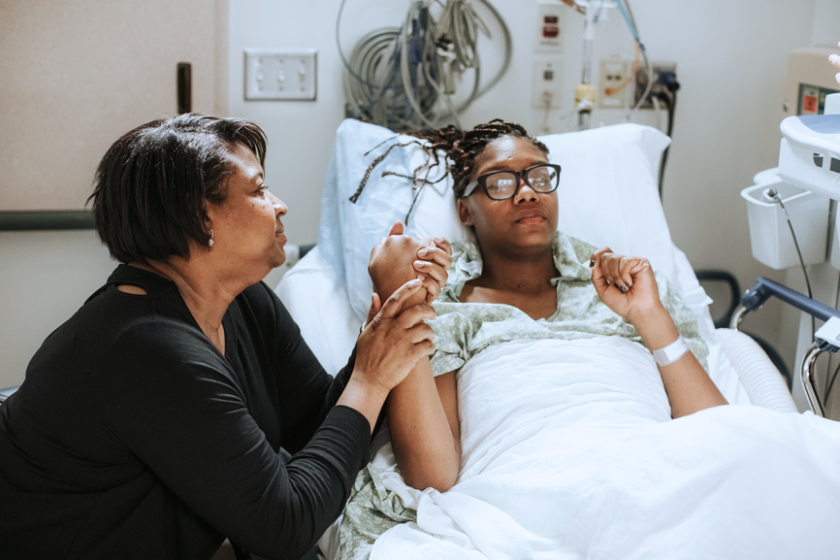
[770, 237]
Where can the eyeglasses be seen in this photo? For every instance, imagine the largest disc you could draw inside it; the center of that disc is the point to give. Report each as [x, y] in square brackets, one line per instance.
[501, 185]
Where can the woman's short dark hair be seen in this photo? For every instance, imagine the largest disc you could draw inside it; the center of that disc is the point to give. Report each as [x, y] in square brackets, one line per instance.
[151, 187]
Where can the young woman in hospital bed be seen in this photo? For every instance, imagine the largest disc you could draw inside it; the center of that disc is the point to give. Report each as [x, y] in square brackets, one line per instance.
[540, 427]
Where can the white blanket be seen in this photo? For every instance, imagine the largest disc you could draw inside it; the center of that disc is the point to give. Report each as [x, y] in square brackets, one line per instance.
[569, 452]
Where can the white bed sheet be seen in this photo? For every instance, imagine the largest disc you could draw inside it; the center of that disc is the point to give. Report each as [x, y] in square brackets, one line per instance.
[568, 452]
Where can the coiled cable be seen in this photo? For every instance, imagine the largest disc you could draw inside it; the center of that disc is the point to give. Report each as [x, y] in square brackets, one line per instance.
[404, 78]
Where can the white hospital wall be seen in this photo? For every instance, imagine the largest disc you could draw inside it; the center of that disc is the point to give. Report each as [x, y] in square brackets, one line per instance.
[731, 56]
[826, 23]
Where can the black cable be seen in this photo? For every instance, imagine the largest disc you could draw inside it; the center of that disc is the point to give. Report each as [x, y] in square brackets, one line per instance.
[670, 101]
[774, 194]
[669, 97]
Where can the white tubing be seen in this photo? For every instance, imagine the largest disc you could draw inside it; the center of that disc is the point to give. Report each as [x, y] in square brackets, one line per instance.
[762, 381]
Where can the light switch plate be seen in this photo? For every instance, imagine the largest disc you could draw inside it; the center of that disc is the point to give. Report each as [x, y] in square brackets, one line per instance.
[281, 74]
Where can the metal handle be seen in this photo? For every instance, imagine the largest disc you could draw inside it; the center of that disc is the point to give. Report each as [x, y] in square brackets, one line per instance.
[809, 380]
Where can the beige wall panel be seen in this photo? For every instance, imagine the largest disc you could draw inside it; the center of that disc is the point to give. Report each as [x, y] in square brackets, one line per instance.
[76, 74]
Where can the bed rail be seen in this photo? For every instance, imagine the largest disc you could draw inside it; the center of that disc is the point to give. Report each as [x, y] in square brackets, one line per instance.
[827, 338]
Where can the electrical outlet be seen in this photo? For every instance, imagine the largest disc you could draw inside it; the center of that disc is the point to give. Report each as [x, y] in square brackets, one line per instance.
[612, 93]
[664, 79]
[280, 74]
[547, 85]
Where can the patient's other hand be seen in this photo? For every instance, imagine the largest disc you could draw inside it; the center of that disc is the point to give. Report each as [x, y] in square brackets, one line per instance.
[625, 284]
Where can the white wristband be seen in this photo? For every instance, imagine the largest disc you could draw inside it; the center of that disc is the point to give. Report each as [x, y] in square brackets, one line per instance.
[671, 353]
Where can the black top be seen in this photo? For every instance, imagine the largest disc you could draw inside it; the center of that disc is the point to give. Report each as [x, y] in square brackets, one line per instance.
[134, 437]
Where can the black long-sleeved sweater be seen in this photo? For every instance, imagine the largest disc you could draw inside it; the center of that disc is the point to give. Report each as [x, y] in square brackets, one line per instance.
[132, 436]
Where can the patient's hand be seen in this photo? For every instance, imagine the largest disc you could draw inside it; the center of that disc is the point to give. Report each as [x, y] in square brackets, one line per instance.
[625, 284]
[835, 60]
[392, 265]
[399, 258]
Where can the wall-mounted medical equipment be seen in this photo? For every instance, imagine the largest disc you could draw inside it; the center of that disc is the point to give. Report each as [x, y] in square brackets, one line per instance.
[407, 78]
[585, 92]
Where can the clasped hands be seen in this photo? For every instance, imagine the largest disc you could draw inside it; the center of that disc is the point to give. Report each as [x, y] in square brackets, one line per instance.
[408, 273]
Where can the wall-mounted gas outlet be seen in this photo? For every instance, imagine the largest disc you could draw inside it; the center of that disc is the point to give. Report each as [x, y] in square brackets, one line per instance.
[613, 83]
[548, 82]
[548, 38]
[281, 74]
[664, 79]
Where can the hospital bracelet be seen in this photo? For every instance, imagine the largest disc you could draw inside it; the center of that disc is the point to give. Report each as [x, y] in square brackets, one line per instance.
[671, 353]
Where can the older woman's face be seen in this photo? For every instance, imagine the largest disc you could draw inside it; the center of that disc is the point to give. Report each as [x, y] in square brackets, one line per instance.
[524, 222]
[247, 231]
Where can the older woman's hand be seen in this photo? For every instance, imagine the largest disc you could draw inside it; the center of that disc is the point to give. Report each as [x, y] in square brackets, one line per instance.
[625, 284]
[399, 258]
[395, 337]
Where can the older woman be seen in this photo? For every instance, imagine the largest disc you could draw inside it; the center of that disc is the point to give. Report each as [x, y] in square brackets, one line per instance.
[149, 424]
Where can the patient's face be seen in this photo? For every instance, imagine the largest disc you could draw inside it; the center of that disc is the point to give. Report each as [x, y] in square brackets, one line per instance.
[524, 223]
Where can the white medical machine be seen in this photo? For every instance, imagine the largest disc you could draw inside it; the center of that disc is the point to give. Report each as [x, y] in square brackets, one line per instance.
[792, 208]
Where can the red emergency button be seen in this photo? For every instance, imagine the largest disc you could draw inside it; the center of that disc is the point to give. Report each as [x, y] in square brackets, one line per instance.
[809, 104]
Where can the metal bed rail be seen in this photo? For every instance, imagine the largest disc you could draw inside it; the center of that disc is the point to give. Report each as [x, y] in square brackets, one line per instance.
[826, 339]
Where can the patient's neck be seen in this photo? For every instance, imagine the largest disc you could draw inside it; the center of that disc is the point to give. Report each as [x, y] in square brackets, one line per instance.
[520, 280]
[527, 272]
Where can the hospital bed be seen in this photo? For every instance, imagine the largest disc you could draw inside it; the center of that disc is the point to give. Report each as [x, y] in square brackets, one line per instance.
[613, 169]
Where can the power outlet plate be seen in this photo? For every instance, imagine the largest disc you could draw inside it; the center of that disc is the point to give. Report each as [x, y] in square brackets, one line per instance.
[657, 87]
[547, 32]
[548, 82]
[281, 74]
[613, 85]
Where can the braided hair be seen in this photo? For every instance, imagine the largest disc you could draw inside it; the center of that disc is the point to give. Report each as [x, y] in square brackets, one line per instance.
[463, 147]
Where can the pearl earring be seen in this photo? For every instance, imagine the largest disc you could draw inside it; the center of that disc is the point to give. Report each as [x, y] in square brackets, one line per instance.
[210, 243]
